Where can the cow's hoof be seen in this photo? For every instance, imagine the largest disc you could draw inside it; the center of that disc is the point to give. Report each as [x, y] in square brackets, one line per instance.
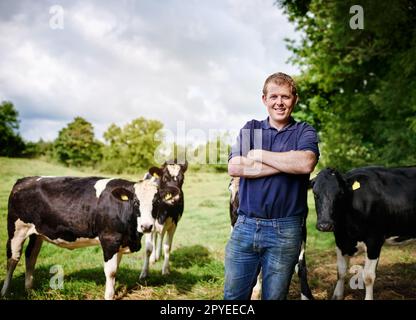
[303, 297]
[165, 272]
[28, 290]
[29, 285]
[143, 276]
[255, 295]
[337, 297]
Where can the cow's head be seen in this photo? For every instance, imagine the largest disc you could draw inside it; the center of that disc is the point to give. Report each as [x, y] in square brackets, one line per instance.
[329, 190]
[149, 196]
[174, 173]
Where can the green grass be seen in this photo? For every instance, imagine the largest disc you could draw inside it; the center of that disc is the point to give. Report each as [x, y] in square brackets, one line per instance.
[197, 270]
[196, 260]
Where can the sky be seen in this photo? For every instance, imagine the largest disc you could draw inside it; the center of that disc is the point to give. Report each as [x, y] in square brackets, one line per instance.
[196, 66]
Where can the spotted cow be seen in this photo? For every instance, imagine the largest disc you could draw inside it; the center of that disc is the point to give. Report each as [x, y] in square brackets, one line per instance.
[365, 208]
[74, 212]
[172, 175]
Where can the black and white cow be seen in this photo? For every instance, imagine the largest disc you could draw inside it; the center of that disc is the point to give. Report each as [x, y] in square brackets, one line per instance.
[300, 269]
[171, 175]
[370, 206]
[74, 212]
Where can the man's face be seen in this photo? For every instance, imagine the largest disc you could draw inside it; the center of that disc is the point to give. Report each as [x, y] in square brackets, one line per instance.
[279, 102]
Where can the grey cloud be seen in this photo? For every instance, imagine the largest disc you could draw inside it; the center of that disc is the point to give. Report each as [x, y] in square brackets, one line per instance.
[115, 61]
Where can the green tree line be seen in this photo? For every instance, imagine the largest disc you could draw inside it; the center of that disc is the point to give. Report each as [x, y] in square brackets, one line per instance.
[127, 149]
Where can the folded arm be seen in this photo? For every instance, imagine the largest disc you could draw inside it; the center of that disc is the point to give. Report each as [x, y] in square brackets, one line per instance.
[295, 162]
[248, 168]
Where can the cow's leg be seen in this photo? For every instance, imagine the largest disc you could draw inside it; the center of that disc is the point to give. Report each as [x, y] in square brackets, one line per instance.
[149, 247]
[256, 293]
[110, 270]
[31, 254]
[374, 245]
[111, 244]
[11, 265]
[342, 264]
[14, 252]
[155, 240]
[305, 291]
[167, 246]
[369, 276]
[160, 243]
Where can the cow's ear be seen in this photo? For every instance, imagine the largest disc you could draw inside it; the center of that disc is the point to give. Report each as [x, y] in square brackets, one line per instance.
[156, 172]
[311, 183]
[184, 166]
[122, 194]
[170, 194]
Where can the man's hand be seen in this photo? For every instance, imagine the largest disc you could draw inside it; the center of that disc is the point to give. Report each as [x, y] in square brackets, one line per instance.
[294, 162]
[248, 168]
[260, 163]
[255, 155]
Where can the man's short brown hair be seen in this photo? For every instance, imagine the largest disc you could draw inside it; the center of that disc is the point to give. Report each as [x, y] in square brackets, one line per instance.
[281, 78]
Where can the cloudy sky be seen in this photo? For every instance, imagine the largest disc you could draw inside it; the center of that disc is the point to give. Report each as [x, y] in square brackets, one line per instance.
[191, 64]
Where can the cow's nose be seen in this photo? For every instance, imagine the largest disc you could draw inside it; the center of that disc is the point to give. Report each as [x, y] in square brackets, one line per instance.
[146, 227]
[325, 227]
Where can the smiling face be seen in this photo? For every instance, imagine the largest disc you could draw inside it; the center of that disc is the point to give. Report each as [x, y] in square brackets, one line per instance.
[279, 102]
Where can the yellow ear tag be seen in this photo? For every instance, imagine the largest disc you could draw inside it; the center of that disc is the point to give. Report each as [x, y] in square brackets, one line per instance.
[356, 185]
[168, 196]
[155, 175]
[124, 197]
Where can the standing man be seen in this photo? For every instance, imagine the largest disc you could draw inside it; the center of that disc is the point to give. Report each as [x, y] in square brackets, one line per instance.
[274, 158]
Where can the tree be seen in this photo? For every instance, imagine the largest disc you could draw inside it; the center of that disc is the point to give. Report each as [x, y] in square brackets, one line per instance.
[38, 149]
[11, 144]
[132, 147]
[76, 145]
[358, 85]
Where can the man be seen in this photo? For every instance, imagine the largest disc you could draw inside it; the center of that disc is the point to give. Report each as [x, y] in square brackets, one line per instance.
[274, 158]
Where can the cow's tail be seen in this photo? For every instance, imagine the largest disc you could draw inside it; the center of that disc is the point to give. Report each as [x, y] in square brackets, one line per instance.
[302, 270]
[305, 291]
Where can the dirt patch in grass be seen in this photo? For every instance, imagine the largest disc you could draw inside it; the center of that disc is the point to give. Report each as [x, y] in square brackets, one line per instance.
[394, 279]
[395, 275]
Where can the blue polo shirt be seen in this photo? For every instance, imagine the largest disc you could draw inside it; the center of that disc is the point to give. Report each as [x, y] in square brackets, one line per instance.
[280, 195]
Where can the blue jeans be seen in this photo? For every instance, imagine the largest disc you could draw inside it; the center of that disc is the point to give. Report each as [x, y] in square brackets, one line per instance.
[272, 245]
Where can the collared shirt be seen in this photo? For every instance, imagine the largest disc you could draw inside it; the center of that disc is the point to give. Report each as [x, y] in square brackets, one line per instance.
[283, 194]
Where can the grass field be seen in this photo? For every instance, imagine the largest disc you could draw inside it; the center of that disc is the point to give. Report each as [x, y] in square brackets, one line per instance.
[197, 270]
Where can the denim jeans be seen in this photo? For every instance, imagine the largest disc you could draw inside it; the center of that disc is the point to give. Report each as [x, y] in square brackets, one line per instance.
[272, 245]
